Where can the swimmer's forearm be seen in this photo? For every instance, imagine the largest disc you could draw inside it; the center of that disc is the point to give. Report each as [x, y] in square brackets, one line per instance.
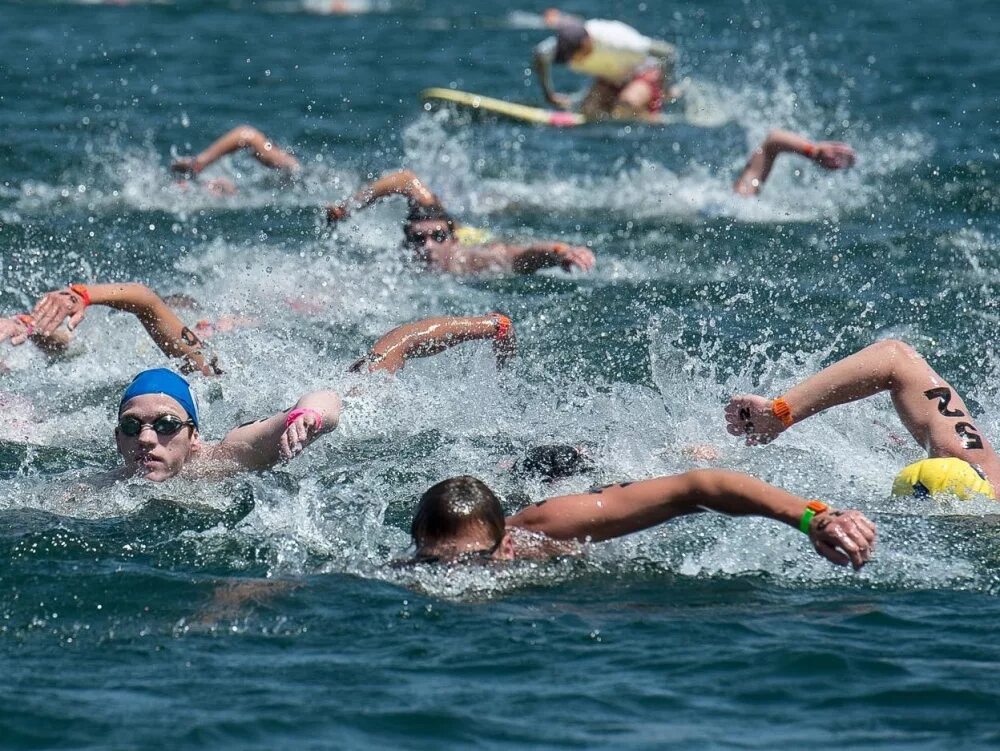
[428, 337]
[161, 323]
[543, 67]
[535, 257]
[878, 367]
[622, 509]
[327, 403]
[758, 167]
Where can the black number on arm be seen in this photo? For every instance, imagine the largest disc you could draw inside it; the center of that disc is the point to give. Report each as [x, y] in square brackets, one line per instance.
[943, 395]
[969, 435]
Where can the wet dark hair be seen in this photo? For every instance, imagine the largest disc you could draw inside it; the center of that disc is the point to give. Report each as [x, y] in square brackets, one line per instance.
[453, 506]
[553, 461]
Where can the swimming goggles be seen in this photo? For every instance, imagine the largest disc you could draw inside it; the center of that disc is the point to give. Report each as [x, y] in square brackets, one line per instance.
[163, 425]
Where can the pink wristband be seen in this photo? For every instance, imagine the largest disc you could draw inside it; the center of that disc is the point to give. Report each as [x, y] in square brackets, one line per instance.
[295, 414]
[809, 151]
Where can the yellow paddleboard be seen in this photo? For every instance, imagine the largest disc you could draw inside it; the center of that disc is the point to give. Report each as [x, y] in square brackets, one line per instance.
[521, 112]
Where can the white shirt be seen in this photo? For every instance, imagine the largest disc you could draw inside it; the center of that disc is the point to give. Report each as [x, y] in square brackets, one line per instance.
[618, 51]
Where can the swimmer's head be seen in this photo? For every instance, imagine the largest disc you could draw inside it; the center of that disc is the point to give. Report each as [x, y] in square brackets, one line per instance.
[571, 39]
[157, 431]
[553, 461]
[942, 476]
[460, 518]
[429, 232]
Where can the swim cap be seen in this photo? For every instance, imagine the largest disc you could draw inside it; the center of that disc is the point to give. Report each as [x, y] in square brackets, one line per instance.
[945, 475]
[553, 461]
[162, 381]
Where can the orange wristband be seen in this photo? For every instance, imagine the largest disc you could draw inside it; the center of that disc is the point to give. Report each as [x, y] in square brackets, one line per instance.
[782, 411]
[82, 291]
[28, 321]
[504, 325]
[809, 150]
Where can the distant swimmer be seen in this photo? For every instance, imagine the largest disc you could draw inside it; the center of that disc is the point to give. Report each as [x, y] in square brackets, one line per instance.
[831, 155]
[632, 73]
[460, 520]
[241, 138]
[961, 460]
[158, 435]
[441, 243]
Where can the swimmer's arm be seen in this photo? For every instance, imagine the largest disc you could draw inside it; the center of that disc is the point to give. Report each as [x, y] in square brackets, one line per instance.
[828, 154]
[168, 331]
[433, 335]
[401, 183]
[544, 56]
[630, 507]
[529, 259]
[246, 137]
[262, 444]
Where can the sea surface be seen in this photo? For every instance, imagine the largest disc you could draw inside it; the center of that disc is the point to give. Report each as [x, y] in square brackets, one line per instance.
[262, 612]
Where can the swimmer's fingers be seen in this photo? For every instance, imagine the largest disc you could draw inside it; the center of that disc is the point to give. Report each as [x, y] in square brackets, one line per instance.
[283, 446]
[76, 318]
[843, 530]
[834, 155]
[831, 553]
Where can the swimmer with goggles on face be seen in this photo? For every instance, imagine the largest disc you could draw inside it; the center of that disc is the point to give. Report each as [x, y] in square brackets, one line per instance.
[442, 244]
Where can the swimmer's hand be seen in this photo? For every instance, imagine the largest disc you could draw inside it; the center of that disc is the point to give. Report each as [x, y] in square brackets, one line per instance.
[15, 330]
[833, 155]
[336, 212]
[187, 166]
[753, 416]
[575, 257]
[562, 101]
[299, 433]
[55, 307]
[843, 537]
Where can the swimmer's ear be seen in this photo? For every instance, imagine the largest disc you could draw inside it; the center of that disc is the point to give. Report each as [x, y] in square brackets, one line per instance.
[195, 441]
[506, 550]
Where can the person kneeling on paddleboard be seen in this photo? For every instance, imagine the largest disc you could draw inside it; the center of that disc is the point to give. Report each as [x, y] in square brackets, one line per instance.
[632, 73]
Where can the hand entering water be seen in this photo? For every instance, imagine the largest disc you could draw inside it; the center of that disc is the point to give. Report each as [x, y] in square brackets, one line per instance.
[753, 416]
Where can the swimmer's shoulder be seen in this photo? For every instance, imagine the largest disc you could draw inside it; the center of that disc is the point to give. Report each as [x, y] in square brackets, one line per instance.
[530, 545]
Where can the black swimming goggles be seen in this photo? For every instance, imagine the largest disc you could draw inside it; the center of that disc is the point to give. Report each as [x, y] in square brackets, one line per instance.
[162, 425]
[420, 237]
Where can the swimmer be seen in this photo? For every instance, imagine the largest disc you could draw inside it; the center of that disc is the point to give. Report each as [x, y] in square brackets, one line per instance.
[436, 239]
[158, 436]
[461, 519]
[831, 155]
[961, 460]
[632, 73]
[161, 323]
[241, 138]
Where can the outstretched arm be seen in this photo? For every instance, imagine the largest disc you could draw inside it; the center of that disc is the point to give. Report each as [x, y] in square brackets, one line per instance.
[433, 335]
[928, 406]
[501, 257]
[617, 510]
[262, 444]
[543, 58]
[829, 154]
[241, 137]
[170, 334]
[401, 183]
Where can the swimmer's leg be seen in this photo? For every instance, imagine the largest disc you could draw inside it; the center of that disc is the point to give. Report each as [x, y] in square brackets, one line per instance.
[828, 154]
[241, 137]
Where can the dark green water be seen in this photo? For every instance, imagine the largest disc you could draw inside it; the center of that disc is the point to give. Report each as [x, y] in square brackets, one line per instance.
[260, 613]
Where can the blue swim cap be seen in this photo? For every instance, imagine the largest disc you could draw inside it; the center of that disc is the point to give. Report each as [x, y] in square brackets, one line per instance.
[162, 381]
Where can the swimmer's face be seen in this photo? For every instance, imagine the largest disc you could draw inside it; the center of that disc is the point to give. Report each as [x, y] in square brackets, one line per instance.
[431, 233]
[155, 456]
[467, 547]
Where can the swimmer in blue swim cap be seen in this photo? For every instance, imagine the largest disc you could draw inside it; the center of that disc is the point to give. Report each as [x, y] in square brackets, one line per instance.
[960, 460]
[441, 243]
[158, 431]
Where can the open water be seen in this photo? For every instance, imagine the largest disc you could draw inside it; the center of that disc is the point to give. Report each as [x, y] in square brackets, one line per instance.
[260, 612]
